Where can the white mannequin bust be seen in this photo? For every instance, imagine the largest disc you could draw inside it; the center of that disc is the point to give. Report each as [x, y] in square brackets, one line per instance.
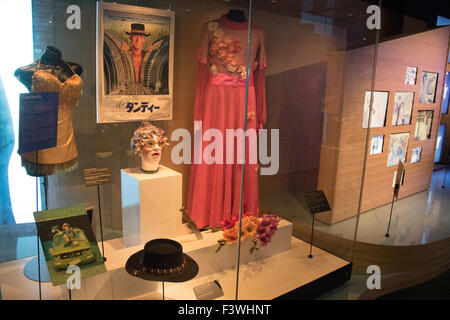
[149, 141]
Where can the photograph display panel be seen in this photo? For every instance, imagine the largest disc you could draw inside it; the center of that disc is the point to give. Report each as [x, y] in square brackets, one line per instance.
[411, 75]
[376, 145]
[428, 87]
[398, 146]
[416, 154]
[423, 125]
[379, 108]
[403, 104]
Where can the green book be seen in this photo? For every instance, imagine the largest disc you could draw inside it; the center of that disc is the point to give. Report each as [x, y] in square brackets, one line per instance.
[68, 240]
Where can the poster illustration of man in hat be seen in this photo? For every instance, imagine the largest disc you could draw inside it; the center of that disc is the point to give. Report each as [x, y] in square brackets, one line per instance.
[137, 51]
[136, 58]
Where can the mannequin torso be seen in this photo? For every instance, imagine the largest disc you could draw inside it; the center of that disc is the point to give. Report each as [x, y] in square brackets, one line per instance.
[50, 62]
[49, 74]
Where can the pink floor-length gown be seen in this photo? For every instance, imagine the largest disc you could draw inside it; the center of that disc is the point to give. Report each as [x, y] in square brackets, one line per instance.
[215, 189]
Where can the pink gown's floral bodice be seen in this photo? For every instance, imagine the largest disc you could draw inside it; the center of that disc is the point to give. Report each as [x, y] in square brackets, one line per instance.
[224, 48]
[222, 58]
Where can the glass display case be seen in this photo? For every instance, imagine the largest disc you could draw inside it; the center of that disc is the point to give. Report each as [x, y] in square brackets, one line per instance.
[199, 150]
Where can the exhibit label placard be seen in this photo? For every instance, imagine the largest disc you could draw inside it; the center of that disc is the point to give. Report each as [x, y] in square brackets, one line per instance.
[38, 121]
[317, 201]
[97, 176]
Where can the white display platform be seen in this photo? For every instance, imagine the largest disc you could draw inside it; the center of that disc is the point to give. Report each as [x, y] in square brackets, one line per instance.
[118, 284]
[270, 272]
[151, 205]
[265, 279]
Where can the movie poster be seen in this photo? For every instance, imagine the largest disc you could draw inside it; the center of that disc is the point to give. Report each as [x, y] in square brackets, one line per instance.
[134, 63]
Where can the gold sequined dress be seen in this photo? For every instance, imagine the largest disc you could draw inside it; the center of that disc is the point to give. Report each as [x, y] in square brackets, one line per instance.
[63, 157]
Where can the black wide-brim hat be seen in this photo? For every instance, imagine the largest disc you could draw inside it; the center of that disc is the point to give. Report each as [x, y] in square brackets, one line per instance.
[162, 260]
[137, 29]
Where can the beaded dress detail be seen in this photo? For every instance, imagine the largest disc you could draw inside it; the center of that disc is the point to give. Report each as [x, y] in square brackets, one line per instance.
[63, 157]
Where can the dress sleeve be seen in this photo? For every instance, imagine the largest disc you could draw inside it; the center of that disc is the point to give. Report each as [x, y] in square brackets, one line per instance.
[260, 82]
[202, 73]
[202, 55]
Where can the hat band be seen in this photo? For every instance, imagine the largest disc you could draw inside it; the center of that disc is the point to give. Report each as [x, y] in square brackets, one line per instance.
[138, 31]
[161, 272]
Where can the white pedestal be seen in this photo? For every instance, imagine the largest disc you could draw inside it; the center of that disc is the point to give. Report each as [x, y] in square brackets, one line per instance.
[150, 205]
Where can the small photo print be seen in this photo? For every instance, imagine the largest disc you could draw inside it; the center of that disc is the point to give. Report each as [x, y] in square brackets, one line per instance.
[416, 154]
[398, 146]
[423, 125]
[411, 75]
[403, 104]
[428, 87]
[379, 108]
[376, 145]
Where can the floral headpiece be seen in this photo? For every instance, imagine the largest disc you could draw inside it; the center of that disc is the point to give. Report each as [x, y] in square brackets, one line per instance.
[147, 135]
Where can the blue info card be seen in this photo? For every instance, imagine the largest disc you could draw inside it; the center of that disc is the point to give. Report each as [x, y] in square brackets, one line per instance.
[38, 121]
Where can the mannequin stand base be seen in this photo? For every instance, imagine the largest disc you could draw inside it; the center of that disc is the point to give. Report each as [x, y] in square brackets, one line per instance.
[31, 270]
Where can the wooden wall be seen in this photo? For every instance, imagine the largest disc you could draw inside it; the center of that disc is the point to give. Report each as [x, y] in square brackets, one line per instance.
[427, 51]
[296, 81]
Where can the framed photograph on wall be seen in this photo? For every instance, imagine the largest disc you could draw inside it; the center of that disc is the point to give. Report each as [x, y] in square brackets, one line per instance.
[423, 125]
[403, 104]
[411, 75]
[135, 48]
[376, 145]
[379, 108]
[428, 87]
[416, 154]
[398, 146]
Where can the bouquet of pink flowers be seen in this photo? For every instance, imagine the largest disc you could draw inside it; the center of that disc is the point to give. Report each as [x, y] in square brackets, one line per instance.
[259, 230]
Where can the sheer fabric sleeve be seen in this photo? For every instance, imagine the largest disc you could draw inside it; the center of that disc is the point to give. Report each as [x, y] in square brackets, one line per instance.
[260, 82]
[202, 73]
